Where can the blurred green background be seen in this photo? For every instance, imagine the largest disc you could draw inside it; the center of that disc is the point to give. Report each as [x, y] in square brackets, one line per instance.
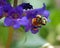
[50, 32]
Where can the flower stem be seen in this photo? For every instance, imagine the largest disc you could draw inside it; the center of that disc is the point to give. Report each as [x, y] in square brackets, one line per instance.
[15, 3]
[11, 30]
[10, 36]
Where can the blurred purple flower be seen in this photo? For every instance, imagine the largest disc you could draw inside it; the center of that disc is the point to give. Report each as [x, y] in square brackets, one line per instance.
[31, 14]
[15, 19]
[30, 27]
[14, 13]
[7, 7]
[16, 23]
[41, 11]
[30, 21]
[4, 8]
[24, 21]
[1, 11]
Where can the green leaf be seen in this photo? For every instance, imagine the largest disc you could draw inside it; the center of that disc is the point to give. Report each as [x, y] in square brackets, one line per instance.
[9, 1]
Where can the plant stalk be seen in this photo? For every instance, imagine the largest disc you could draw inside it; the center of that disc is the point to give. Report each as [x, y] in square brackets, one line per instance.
[15, 3]
[10, 36]
[11, 30]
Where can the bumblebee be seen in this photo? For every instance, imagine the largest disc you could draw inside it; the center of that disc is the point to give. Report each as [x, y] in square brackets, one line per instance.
[39, 20]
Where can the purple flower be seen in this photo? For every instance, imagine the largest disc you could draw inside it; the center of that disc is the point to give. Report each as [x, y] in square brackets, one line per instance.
[33, 29]
[1, 11]
[15, 19]
[15, 13]
[41, 11]
[24, 21]
[5, 7]
[10, 22]
[36, 17]
[19, 9]
[46, 13]
[4, 3]
[16, 23]
[32, 20]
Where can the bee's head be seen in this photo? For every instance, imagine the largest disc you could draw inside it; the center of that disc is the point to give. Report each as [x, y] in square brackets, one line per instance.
[41, 20]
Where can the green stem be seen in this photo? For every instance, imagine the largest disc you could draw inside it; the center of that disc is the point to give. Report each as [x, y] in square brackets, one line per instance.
[10, 35]
[11, 30]
[15, 3]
